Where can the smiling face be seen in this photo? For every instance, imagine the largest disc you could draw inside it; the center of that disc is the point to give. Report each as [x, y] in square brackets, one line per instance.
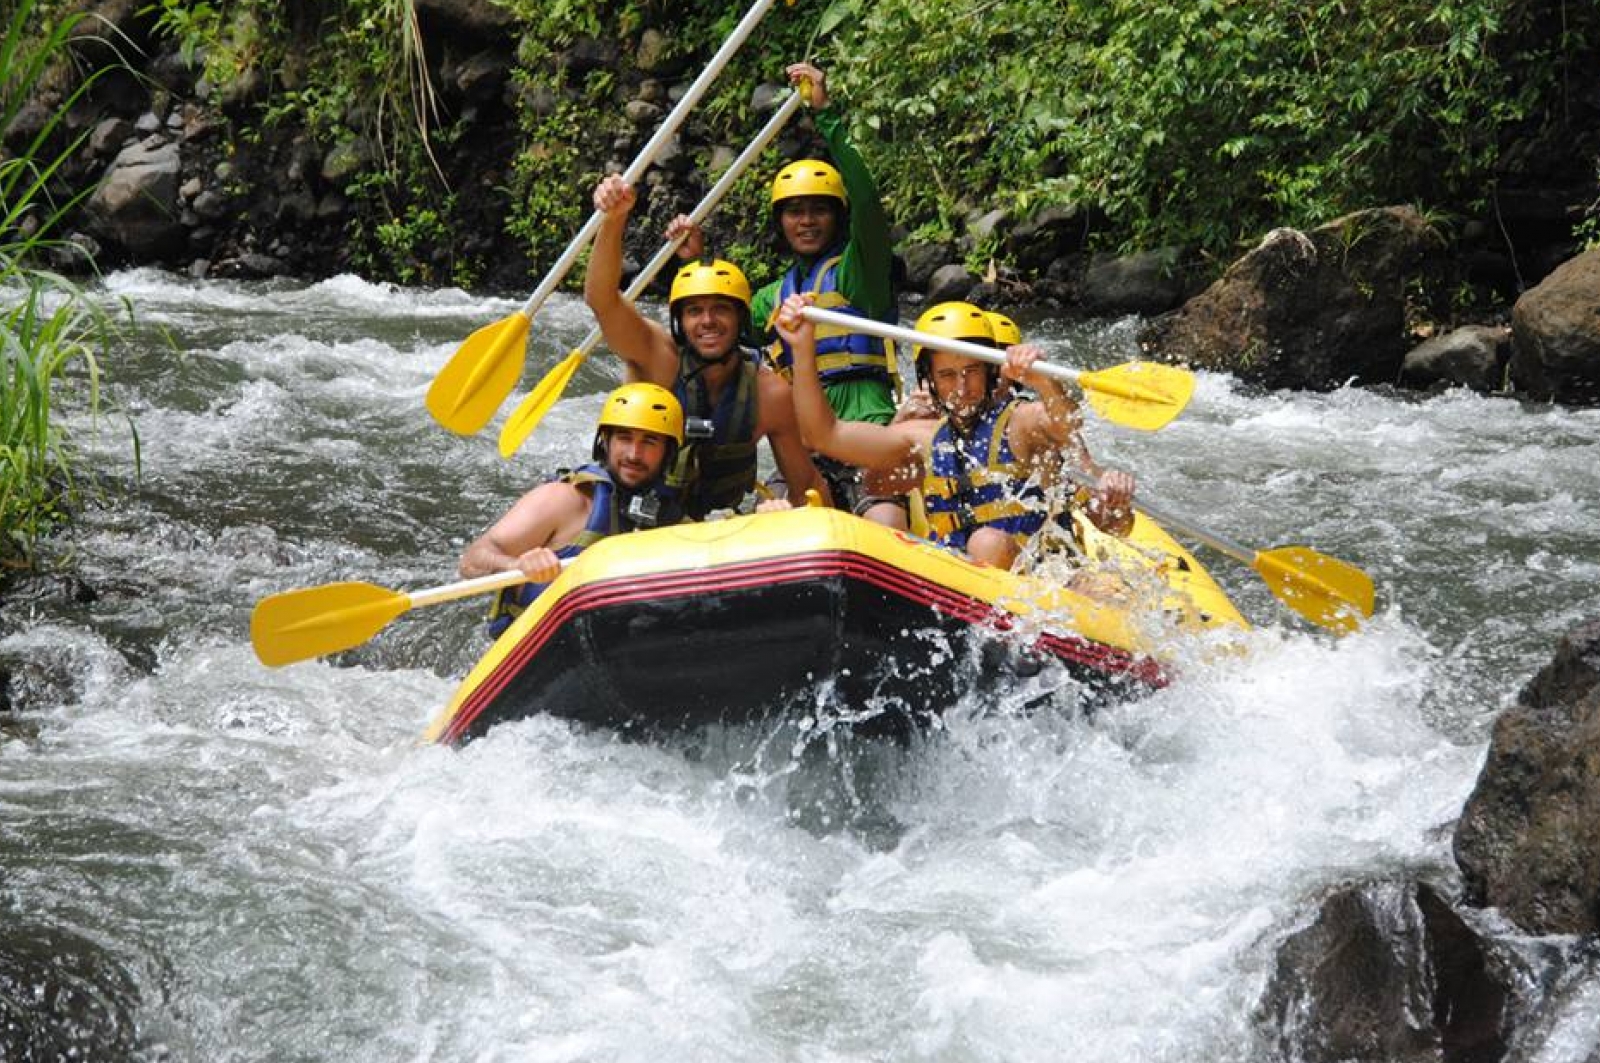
[710, 324]
[635, 456]
[809, 224]
[960, 385]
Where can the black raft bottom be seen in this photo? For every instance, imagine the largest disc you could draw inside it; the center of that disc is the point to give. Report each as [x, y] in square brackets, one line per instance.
[636, 658]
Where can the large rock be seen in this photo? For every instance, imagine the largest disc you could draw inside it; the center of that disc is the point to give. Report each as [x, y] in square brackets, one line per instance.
[1389, 971]
[1474, 357]
[481, 19]
[1046, 236]
[62, 997]
[1528, 842]
[136, 203]
[1307, 310]
[1556, 334]
[1147, 282]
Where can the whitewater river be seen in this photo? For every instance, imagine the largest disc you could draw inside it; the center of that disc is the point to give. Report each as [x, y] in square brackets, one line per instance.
[226, 863]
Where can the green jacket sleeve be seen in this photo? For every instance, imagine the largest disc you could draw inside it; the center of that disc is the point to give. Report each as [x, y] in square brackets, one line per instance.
[864, 272]
[762, 305]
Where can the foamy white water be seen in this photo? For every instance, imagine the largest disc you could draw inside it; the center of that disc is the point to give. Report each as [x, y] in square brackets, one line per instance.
[286, 874]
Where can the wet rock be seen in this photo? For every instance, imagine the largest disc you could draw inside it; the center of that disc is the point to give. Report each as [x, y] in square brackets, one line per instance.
[108, 137]
[344, 160]
[482, 78]
[1047, 235]
[950, 282]
[1389, 971]
[482, 19]
[62, 998]
[642, 113]
[587, 54]
[984, 226]
[653, 55]
[1474, 357]
[27, 123]
[923, 261]
[768, 97]
[1556, 334]
[209, 205]
[1528, 842]
[252, 265]
[1307, 310]
[1144, 283]
[136, 202]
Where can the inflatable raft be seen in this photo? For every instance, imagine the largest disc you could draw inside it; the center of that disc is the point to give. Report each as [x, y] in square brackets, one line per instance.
[732, 620]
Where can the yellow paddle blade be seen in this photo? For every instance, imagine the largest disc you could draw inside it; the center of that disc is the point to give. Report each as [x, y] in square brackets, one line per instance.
[479, 376]
[298, 625]
[531, 410]
[1323, 589]
[1142, 395]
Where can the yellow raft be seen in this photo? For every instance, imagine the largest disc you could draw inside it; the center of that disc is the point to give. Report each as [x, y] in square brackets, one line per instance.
[732, 620]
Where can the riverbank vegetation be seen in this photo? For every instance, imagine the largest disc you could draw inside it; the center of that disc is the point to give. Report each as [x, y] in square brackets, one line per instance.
[1198, 124]
[50, 330]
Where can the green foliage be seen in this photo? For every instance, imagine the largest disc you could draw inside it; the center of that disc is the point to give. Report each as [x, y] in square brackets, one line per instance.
[1192, 123]
[1197, 122]
[49, 328]
[227, 46]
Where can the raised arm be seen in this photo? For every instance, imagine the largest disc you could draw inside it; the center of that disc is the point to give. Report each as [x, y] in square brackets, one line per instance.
[871, 446]
[866, 282]
[645, 346]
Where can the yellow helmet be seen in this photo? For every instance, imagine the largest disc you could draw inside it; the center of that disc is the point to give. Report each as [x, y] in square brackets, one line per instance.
[1005, 330]
[956, 321]
[647, 407]
[953, 321]
[808, 177]
[714, 277]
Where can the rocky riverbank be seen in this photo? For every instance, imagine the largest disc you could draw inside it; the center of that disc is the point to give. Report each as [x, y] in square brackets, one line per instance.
[1489, 968]
[207, 179]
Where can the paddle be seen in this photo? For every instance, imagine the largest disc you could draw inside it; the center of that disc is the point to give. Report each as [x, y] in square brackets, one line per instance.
[531, 410]
[301, 624]
[484, 369]
[1326, 591]
[1142, 395]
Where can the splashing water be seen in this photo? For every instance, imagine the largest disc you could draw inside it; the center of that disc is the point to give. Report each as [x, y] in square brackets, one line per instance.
[267, 865]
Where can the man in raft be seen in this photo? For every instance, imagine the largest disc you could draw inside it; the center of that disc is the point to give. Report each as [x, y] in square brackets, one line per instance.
[831, 220]
[639, 432]
[729, 403]
[986, 461]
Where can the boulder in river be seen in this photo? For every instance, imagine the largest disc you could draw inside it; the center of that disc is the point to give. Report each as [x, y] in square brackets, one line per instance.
[1390, 971]
[135, 205]
[1307, 309]
[1556, 333]
[1528, 842]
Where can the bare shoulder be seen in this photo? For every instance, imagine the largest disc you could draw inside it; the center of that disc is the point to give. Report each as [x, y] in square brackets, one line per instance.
[555, 499]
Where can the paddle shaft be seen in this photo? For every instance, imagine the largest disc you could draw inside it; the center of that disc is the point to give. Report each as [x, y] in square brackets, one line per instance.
[884, 330]
[1217, 542]
[707, 204]
[466, 588]
[648, 153]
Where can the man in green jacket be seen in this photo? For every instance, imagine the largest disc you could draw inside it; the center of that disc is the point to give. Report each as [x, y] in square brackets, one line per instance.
[831, 219]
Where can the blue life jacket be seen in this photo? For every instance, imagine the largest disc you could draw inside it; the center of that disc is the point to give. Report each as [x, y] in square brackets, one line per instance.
[607, 516]
[718, 472]
[975, 481]
[841, 355]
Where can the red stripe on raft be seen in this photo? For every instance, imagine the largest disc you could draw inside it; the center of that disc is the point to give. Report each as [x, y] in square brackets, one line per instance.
[782, 570]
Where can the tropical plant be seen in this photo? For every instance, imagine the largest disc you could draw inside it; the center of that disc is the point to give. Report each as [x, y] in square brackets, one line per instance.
[49, 328]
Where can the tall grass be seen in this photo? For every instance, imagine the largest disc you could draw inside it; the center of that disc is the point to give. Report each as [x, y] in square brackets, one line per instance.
[50, 330]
